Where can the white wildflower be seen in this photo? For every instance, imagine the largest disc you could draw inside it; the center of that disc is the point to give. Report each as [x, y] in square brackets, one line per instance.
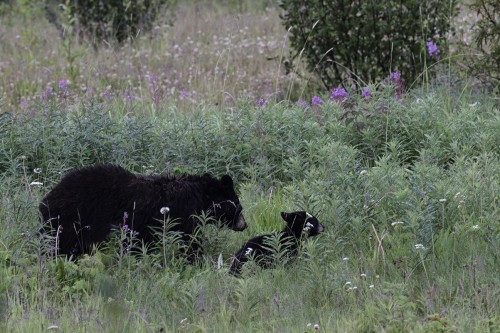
[164, 210]
[396, 223]
[363, 172]
[316, 326]
[363, 275]
[442, 200]
[37, 170]
[371, 286]
[419, 246]
[345, 259]
[475, 227]
[36, 184]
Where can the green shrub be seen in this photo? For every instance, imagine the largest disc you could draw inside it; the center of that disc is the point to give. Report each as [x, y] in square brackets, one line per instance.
[486, 41]
[112, 19]
[365, 39]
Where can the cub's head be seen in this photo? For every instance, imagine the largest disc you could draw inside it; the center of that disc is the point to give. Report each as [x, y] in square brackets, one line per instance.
[226, 205]
[302, 223]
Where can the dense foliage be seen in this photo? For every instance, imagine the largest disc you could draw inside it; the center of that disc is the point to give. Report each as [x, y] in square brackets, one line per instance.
[111, 19]
[406, 199]
[487, 41]
[365, 40]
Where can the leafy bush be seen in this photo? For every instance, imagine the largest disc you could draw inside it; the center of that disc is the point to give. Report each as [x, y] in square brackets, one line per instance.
[487, 40]
[106, 20]
[365, 39]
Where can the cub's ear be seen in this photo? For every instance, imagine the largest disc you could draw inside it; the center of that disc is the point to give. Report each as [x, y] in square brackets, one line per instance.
[227, 181]
[285, 216]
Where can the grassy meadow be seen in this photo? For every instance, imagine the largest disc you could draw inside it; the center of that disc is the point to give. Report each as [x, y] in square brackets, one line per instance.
[407, 186]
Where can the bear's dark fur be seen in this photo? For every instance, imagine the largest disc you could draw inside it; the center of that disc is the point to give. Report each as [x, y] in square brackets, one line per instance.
[87, 203]
[299, 225]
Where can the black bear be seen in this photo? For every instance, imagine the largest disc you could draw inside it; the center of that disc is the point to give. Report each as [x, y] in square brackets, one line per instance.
[87, 203]
[299, 225]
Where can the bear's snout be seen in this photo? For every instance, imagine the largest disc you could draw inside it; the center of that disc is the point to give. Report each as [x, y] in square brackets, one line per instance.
[240, 223]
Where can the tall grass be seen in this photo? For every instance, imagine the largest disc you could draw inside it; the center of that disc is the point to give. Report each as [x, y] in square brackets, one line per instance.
[412, 223]
[213, 53]
[407, 189]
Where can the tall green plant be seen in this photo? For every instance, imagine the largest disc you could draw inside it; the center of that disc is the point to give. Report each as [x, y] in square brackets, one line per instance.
[365, 39]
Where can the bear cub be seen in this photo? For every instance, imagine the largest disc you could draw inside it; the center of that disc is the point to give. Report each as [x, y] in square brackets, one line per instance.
[299, 225]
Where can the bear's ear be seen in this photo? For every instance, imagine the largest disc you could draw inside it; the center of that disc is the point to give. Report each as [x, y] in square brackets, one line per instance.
[226, 181]
[285, 216]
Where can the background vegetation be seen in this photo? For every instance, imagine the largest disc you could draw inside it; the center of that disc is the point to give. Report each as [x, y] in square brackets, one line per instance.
[407, 182]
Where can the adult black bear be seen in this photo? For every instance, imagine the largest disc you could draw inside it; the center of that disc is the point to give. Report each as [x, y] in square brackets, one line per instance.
[299, 225]
[88, 202]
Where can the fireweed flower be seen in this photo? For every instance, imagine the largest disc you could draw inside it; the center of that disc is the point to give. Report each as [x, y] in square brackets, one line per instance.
[316, 100]
[339, 94]
[261, 102]
[63, 85]
[89, 90]
[46, 95]
[23, 103]
[303, 103]
[129, 96]
[398, 82]
[395, 76]
[107, 93]
[366, 92]
[433, 49]
[153, 79]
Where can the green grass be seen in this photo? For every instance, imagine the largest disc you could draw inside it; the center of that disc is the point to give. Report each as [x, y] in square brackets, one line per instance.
[283, 159]
[408, 190]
